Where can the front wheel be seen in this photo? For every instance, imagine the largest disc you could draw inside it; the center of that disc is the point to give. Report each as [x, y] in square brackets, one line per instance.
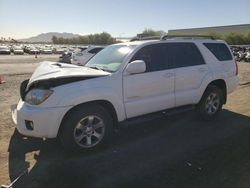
[211, 103]
[85, 127]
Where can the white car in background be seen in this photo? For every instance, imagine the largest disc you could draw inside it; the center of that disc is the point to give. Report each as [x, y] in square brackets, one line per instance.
[46, 51]
[81, 58]
[4, 50]
[18, 50]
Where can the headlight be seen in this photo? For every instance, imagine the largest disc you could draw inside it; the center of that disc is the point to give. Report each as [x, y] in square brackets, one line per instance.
[37, 96]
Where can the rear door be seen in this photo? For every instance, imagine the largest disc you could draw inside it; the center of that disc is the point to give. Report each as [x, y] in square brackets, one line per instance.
[153, 90]
[223, 56]
[190, 69]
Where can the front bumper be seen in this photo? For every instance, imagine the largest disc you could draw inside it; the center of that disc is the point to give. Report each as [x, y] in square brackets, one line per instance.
[46, 121]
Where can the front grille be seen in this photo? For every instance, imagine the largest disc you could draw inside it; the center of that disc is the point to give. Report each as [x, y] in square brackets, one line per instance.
[23, 86]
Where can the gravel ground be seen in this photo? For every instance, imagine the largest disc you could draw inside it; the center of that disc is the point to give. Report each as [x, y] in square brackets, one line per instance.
[175, 151]
[22, 64]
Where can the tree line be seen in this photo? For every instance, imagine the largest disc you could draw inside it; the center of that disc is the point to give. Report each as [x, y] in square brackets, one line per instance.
[105, 38]
[97, 39]
[231, 38]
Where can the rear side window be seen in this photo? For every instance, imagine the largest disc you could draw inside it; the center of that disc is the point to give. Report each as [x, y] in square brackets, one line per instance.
[95, 50]
[220, 51]
[185, 54]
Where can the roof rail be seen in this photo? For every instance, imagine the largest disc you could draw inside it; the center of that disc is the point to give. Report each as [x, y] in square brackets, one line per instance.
[145, 38]
[164, 37]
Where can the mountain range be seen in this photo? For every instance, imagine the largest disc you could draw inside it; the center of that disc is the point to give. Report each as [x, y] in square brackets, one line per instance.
[46, 37]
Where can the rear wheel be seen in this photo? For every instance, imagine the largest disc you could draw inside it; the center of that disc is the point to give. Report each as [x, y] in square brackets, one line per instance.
[86, 127]
[211, 103]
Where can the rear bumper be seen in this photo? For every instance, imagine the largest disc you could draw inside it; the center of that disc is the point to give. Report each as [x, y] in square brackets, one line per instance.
[18, 53]
[5, 52]
[232, 84]
[46, 121]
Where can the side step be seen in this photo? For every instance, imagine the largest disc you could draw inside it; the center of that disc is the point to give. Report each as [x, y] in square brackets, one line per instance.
[156, 115]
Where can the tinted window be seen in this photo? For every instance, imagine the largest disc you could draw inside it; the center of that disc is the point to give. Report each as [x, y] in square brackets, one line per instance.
[155, 57]
[95, 50]
[220, 51]
[185, 54]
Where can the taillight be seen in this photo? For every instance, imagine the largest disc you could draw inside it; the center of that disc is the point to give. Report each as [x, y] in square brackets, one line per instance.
[236, 66]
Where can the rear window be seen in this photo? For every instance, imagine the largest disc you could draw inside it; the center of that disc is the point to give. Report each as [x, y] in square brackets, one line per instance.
[95, 50]
[220, 51]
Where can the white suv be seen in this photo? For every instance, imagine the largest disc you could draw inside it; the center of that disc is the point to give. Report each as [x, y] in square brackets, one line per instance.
[126, 81]
[81, 58]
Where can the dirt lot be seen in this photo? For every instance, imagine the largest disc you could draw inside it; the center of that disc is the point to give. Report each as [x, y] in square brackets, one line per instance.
[176, 151]
[22, 64]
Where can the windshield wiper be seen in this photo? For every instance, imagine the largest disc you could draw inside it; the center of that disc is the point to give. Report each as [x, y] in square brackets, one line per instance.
[99, 68]
[96, 67]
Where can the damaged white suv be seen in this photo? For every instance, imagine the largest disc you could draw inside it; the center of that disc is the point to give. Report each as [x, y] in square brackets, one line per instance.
[122, 83]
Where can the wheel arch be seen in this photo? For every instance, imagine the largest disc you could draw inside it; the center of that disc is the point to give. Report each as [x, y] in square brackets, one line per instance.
[104, 103]
[221, 84]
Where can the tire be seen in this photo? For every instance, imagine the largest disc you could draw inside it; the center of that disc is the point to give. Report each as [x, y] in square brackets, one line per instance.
[86, 127]
[211, 103]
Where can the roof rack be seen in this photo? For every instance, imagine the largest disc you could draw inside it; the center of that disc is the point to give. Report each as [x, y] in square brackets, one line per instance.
[145, 38]
[164, 37]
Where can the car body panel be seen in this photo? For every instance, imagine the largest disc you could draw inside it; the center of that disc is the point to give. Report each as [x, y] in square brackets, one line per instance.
[52, 70]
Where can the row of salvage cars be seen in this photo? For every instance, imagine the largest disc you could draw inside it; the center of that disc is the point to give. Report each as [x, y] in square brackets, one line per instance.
[15, 50]
[21, 49]
[241, 53]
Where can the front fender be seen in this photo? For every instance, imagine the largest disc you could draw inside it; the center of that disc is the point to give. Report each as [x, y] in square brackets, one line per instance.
[96, 95]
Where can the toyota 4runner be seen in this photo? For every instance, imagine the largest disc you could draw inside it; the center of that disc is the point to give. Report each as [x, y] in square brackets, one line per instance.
[125, 81]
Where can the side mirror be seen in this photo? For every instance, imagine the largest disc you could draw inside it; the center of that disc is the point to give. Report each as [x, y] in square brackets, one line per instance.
[136, 67]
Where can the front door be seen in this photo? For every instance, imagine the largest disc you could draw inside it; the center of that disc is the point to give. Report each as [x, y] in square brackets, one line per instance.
[153, 90]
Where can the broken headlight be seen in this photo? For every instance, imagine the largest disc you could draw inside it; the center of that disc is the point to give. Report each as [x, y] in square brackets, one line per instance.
[37, 96]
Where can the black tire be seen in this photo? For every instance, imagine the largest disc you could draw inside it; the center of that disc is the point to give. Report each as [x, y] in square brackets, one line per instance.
[206, 110]
[76, 123]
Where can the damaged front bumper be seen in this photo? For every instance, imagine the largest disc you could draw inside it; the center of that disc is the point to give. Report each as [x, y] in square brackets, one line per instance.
[37, 121]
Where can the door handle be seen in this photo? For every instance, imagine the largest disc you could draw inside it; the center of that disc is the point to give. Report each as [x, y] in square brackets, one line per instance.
[202, 69]
[168, 75]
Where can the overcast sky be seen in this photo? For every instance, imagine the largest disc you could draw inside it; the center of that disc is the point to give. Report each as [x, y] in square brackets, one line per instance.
[26, 18]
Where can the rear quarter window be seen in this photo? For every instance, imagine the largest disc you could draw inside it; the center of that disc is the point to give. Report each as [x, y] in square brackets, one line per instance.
[219, 50]
[95, 50]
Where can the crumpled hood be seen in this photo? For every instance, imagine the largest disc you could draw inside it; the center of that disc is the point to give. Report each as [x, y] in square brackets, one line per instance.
[51, 70]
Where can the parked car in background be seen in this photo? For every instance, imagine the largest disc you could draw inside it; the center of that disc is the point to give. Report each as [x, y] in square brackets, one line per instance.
[33, 50]
[247, 57]
[46, 51]
[4, 50]
[82, 48]
[81, 58]
[18, 50]
[66, 57]
[58, 50]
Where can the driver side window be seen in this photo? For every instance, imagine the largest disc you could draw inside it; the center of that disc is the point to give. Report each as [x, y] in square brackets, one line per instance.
[154, 56]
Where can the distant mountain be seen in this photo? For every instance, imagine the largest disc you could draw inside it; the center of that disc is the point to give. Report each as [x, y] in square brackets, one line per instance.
[46, 37]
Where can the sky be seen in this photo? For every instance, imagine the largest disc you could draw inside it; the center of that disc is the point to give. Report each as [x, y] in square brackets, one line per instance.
[121, 18]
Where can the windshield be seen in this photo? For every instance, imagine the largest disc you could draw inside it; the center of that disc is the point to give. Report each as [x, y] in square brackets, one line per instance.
[110, 58]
